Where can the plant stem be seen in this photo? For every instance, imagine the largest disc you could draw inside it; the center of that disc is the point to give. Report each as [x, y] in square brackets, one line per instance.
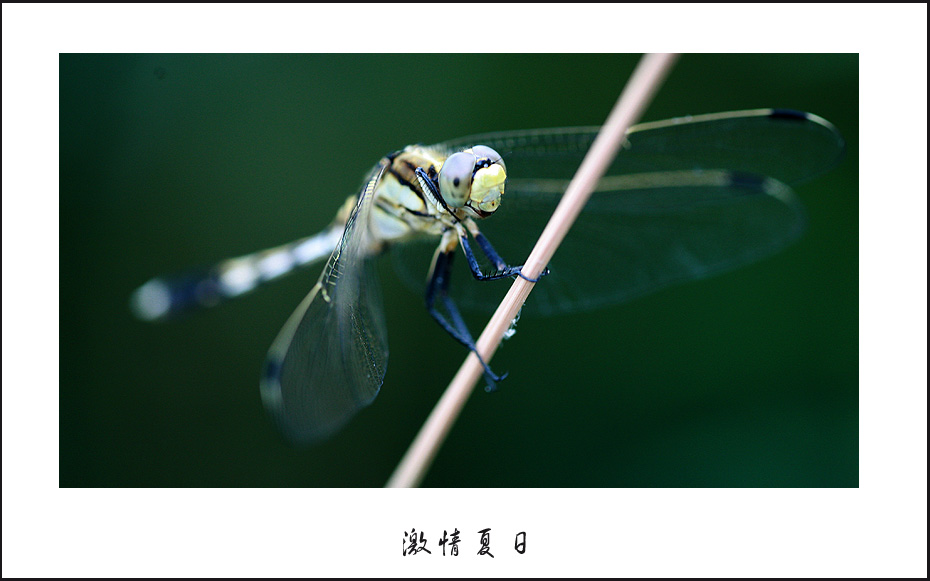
[649, 74]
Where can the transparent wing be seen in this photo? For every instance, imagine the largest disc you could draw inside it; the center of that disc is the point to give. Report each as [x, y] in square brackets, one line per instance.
[330, 358]
[685, 198]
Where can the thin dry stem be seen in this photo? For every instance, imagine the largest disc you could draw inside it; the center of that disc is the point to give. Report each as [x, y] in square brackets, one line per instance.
[649, 74]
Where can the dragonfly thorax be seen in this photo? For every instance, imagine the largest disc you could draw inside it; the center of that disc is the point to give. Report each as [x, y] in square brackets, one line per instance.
[422, 191]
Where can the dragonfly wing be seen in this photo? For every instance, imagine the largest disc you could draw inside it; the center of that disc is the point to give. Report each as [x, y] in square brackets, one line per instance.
[684, 199]
[632, 240]
[789, 146]
[330, 358]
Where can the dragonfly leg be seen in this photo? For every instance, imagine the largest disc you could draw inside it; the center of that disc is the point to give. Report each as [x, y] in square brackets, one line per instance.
[504, 270]
[429, 185]
[438, 288]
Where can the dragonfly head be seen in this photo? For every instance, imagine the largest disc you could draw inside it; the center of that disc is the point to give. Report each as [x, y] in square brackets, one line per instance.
[473, 180]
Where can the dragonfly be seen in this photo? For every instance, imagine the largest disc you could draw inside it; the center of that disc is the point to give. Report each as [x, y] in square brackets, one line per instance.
[685, 198]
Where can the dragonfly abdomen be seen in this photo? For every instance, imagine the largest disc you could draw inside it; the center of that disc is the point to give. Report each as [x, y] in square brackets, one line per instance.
[165, 297]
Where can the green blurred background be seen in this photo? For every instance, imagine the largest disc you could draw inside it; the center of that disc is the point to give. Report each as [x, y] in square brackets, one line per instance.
[171, 161]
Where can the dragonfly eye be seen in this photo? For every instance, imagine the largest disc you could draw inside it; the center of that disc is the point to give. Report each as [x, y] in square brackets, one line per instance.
[488, 182]
[455, 178]
[483, 152]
